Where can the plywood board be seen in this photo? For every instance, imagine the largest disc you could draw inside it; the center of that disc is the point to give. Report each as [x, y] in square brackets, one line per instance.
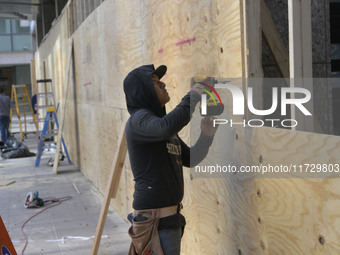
[300, 54]
[296, 213]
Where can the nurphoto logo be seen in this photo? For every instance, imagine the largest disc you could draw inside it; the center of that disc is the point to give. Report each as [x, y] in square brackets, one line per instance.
[287, 98]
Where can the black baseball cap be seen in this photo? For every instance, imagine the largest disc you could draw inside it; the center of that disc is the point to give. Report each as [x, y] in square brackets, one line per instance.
[160, 71]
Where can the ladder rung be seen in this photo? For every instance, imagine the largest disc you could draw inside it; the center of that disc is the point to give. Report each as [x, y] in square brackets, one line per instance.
[24, 104]
[19, 86]
[19, 95]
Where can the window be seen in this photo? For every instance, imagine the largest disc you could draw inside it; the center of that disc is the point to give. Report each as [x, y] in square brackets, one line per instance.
[21, 26]
[15, 35]
[5, 26]
[5, 43]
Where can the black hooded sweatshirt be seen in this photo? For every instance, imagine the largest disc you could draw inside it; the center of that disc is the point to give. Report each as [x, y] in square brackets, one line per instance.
[156, 152]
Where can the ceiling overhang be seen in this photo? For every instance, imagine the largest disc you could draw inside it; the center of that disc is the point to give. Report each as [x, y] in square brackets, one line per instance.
[19, 9]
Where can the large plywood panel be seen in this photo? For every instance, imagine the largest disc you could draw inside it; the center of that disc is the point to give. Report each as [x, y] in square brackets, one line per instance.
[196, 38]
[297, 215]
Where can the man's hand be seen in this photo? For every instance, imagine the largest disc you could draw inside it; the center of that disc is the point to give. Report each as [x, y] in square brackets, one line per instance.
[207, 127]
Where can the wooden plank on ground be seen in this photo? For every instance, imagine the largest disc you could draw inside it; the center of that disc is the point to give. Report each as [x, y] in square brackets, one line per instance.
[6, 183]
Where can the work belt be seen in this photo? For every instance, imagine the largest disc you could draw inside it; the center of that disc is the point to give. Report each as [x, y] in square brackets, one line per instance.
[144, 234]
[163, 212]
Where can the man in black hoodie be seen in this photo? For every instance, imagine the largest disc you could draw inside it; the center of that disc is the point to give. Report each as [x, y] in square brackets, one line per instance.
[156, 152]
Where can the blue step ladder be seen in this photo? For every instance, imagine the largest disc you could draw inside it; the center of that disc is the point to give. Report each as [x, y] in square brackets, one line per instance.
[50, 111]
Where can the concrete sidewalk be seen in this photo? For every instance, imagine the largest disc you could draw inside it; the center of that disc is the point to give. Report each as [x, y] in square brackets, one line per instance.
[68, 228]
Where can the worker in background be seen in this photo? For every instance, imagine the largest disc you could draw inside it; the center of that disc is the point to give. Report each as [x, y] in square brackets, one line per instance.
[5, 107]
[157, 155]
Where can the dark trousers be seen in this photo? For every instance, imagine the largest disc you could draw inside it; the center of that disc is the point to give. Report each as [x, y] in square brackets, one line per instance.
[171, 241]
[4, 128]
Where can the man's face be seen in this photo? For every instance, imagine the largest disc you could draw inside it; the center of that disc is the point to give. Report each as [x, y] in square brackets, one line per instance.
[161, 92]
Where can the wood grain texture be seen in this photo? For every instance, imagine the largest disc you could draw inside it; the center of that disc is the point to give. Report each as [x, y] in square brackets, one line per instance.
[296, 216]
[112, 186]
[253, 58]
[285, 147]
[213, 47]
[300, 55]
[33, 78]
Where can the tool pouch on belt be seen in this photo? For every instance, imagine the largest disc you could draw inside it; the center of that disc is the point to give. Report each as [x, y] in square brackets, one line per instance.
[144, 234]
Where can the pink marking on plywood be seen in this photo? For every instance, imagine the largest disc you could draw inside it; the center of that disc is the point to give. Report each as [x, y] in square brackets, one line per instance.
[186, 41]
[87, 84]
